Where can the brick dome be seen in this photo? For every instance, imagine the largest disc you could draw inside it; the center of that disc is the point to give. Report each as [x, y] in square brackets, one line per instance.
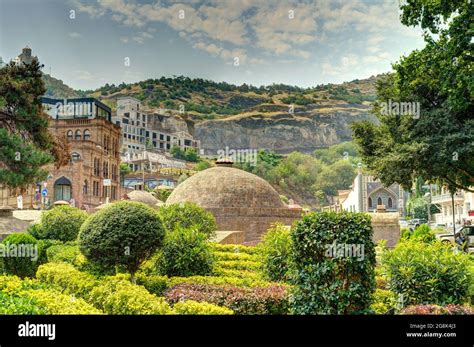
[226, 187]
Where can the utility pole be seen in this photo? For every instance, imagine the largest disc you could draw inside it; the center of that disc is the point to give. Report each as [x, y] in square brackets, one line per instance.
[454, 214]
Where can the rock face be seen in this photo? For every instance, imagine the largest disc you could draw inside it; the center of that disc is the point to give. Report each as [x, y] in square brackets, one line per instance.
[281, 132]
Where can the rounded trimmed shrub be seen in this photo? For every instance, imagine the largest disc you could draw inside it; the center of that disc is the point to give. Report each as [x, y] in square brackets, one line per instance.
[186, 252]
[61, 223]
[126, 233]
[188, 215]
[20, 255]
[276, 252]
[427, 273]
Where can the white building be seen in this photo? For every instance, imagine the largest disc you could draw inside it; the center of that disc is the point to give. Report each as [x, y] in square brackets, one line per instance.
[463, 207]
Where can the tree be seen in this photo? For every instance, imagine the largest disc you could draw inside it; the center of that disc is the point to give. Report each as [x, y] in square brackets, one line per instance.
[437, 145]
[124, 171]
[27, 145]
[126, 234]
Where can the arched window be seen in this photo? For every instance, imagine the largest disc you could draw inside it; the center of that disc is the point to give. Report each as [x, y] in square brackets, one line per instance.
[69, 134]
[75, 156]
[87, 134]
[379, 201]
[390, 203]
[85, 187]
[370, 202]
[106, 169]
[78, 135]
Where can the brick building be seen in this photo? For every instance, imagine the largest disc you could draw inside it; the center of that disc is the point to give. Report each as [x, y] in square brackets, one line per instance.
[92, 175]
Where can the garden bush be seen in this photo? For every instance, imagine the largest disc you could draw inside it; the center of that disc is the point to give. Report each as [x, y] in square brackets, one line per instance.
[185, 252]
[61, 223]
[248, 265]
[125, 234]
[234, 256]
[331, 282]
[276, 252]
[117, 296]
[188, 216]
[427, 273]
[259, 300]
[57, 303]
[422, 233]
[384, 301]
[63, 253]
[218, 271]
[20, 255]
[439, 310]
[43, 246]
[235, 249]
[10, 304]
[190, 307]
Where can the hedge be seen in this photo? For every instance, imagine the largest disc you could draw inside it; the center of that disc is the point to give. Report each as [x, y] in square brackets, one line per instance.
[235, 256]
[328, 277]
[60, 223]
[450, 309]
[239, 265]
[276, 253]
[57, 303]
[236, 249]
[245, 301]
[384, 302]
[10, 304]
[190, 307]
[21, 264]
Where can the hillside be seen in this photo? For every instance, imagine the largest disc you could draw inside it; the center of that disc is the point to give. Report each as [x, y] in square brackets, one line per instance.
[278, 117]
[57, 89]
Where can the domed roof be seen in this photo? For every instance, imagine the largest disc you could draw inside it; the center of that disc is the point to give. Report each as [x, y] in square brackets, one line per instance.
[224, 187]
[142, 196]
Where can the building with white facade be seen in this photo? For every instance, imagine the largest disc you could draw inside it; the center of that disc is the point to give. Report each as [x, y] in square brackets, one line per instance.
[367, 194]
[463, 207]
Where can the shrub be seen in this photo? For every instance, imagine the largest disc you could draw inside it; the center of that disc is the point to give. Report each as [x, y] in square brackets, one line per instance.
[236, 249]
[57, 303]
[439, 310]
[276, 252]
[61, 223]
[188, 215]
[326, 282]
[20, 255]
[384, 301]
[248, 265]
[35, 230]
[10, 304]
[125, 233]
[381, 282]
[202, 308]
[259, 300]
[218, 271]
[234, 256]
[185, 253]
[116, 296]
[43, 246]
[427, 273]
[63, 253]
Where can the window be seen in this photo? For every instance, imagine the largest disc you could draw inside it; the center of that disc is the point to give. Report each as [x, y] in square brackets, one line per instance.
[370, 202]
[75, 156]
[87, 135]
[85, 187]
[78, 135]
[390, 204]
[379, 201]
[69, 135]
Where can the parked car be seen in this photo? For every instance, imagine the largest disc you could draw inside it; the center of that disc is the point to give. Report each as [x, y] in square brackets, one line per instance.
[416, 222]
[466, 231]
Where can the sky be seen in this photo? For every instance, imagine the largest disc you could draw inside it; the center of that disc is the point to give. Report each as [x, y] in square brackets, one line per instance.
[88, 43]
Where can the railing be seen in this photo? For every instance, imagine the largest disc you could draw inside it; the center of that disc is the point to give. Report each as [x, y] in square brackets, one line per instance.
[447, 197]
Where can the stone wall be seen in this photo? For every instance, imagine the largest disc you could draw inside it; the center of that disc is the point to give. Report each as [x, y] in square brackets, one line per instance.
[386, 227]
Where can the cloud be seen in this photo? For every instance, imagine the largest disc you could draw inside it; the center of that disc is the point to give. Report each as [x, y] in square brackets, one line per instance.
[75, 35]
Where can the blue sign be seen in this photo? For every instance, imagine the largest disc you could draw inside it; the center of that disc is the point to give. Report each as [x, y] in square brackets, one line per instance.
[45, 192]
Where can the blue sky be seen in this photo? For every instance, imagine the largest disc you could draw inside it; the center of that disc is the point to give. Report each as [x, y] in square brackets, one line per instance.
[304, 43]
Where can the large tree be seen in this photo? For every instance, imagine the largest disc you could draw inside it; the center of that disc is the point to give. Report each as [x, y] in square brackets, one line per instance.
[26, 145]
[439, 144]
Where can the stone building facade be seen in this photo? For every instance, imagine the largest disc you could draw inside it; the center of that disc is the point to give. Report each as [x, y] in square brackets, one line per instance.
[240, 201]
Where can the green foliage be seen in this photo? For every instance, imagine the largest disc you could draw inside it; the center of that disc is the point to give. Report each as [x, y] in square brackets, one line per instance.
[276, 252]
[417, 208]
[235, 248]
[188, 216]
[383, 301]
[24, 138]
[125, 233]
[57, 303]
[185, 252]
[328, 283]
[61, 223]
[189, 155]
[427, 273]
[10, 304]
[24, 261]
[190, 307]
[437, 145]
[240, 265]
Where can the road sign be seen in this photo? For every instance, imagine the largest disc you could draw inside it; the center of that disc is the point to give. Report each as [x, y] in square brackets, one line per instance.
[107, 182]
[44, 192]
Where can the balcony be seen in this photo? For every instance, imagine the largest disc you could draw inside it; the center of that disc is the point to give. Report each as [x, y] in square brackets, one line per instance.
[446, 198]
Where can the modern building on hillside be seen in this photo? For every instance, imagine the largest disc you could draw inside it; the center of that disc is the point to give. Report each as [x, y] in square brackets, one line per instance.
[139, 134]
[366, 194]
[92, 175]
[463, 207]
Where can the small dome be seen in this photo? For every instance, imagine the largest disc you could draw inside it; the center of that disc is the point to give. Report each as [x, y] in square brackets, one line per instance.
[226, 187]
[142, 196]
